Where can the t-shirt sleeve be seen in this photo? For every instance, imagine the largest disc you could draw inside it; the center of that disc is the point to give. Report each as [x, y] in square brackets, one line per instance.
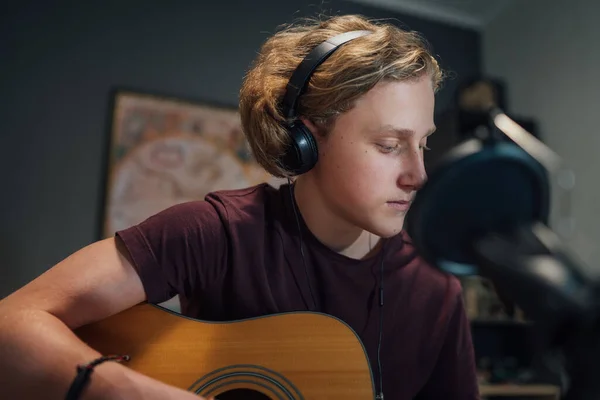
[178, 250]
[454, 375]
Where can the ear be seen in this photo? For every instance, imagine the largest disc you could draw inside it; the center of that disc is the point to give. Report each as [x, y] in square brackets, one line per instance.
[312, 127]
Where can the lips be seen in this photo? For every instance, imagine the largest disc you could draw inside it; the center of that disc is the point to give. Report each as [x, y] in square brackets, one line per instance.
[400, 205]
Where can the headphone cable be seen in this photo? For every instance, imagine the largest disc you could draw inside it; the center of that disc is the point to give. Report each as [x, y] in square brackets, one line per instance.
[301, 245]
[380, 395]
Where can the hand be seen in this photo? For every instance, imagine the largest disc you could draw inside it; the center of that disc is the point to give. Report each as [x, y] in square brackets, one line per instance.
[127, 384]
[167, 392]
[180, 394]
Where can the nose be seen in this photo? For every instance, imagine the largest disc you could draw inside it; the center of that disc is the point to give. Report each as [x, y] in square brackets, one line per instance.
[413, 175]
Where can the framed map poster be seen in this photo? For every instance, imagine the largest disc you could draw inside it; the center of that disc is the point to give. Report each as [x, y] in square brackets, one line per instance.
[164, 151]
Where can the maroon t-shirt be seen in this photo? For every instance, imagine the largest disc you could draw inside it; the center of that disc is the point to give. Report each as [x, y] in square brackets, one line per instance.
[237, 255]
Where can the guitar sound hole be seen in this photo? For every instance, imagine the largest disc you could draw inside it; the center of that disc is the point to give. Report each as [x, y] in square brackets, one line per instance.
[242, 394]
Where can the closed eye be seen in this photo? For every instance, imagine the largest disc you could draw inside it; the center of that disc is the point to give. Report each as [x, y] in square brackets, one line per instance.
[388, 149]
[391, 149]
[396, 147]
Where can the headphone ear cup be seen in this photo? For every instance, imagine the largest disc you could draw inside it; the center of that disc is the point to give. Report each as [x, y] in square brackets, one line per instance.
[302, 153]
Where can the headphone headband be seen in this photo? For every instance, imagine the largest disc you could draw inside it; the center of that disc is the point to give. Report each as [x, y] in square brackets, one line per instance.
[299, 79]
[302, 153]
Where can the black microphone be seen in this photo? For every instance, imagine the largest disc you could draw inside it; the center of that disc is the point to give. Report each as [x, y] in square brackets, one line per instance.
[484, 184]
[484, 211]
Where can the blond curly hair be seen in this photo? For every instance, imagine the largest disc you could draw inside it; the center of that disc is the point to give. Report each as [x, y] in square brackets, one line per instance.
[388, 53]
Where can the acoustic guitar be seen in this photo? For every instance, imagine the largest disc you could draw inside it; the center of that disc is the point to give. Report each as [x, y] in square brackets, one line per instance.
[287, 356]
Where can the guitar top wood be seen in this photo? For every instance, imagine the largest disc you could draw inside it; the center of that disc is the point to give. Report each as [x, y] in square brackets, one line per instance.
[283, 356]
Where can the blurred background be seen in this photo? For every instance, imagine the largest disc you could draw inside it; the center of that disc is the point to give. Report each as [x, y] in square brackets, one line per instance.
[62, 63]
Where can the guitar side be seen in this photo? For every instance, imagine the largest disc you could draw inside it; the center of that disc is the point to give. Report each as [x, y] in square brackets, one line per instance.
[300, 355]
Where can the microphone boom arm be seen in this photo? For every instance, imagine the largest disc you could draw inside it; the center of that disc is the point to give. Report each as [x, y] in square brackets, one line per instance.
[534, 269]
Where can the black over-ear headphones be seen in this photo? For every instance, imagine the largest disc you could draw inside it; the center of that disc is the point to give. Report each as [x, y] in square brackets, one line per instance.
[302, 154]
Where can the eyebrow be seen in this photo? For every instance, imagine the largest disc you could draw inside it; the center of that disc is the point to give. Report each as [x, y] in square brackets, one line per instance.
[403, 132]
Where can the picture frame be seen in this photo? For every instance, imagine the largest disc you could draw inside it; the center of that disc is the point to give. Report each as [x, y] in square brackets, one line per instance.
[164, 150]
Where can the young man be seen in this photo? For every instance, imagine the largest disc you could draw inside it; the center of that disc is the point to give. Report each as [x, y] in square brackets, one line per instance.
[326, 242]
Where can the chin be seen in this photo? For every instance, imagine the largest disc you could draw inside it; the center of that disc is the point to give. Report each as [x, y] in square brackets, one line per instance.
[386, 228]
[388, 233]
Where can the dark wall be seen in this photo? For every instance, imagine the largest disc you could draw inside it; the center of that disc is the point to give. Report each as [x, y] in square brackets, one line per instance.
[58, 65]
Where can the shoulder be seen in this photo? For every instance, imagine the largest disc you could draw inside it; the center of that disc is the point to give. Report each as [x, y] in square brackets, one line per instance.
[213, 213]
[239, 200]
[248, 205]
[221, 204]
[435, 297]
[436, 293]
[439, 284]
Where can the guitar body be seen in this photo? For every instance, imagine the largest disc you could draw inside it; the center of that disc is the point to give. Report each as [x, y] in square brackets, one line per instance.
[284, 356]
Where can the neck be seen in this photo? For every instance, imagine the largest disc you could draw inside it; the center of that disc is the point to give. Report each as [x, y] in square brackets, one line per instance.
[328, 227]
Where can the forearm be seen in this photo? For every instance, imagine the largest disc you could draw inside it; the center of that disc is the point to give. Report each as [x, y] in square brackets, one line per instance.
[39, 354]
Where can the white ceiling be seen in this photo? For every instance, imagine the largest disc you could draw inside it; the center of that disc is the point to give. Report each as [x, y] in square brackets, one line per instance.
[474, 14]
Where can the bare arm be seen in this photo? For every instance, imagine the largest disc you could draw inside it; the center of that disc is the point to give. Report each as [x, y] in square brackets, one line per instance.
[39, 351]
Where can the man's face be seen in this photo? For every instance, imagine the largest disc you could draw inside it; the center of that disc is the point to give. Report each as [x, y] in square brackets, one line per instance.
[371, 161]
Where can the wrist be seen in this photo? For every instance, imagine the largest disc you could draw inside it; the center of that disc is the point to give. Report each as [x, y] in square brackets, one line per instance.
[109, 380]
[115, 381]
[84, 373]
